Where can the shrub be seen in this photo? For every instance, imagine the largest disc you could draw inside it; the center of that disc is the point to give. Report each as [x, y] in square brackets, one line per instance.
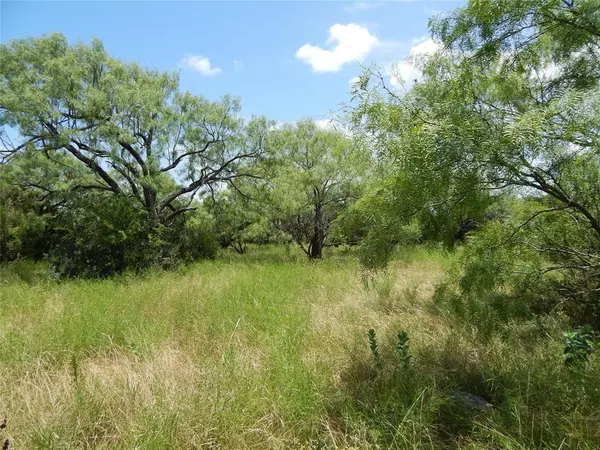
[527, 264]
[579, 346]
[198, 237]
[98, 235]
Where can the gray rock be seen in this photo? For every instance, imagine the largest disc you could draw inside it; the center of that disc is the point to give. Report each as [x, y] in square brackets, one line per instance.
[472, 400]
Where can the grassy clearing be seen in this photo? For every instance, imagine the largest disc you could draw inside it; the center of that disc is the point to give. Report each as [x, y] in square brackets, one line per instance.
[268, 350]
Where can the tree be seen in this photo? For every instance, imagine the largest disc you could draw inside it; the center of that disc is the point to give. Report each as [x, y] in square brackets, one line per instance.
[511, 106]
[243, 215]
[317, 178]
[130, 128]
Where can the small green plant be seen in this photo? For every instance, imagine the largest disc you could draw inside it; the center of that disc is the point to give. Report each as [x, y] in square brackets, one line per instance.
[579, 346]
[374, 347]
[402, 349]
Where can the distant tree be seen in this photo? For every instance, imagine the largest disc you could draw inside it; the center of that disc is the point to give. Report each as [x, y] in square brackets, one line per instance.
[318, 176]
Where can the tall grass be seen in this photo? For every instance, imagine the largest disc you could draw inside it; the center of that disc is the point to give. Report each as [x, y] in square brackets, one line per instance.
[268, 350]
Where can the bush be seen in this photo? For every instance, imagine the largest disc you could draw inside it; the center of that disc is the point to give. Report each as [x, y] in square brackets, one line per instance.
[98, 235]
[23, 228]
[522, 266]
[197, 238]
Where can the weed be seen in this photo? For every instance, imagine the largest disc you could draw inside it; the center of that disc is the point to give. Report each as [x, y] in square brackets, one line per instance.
[579, 346]
[74, 364]
[402, 349]
[374, 347]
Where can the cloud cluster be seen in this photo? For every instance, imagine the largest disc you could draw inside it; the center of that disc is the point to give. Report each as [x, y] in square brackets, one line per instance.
[346, 43]
[325, 124]
[404, 73]
[200, 64]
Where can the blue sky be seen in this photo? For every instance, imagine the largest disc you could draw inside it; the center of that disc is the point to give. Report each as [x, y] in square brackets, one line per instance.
[286, 60]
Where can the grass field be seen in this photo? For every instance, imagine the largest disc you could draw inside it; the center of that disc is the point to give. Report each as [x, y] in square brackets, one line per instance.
[268, 350]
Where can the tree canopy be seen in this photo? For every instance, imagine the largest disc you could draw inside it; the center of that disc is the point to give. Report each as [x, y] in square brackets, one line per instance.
[318, 175]
[508, 108]
[128, 127]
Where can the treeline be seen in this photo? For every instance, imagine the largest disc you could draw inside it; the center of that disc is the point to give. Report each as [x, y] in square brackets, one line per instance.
[108, 166]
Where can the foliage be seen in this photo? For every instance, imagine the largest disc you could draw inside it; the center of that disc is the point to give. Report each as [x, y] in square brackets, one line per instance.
[22, 227]
[374, 347]
[243, 216]
[126, 126]
[196, 237]
[528, 31]
[317, 177]
[502, 276]
[499, 113]
[30, 186]
[98, 234]
[493, 153]
[90, 126]
[402, 349]
[579, 346]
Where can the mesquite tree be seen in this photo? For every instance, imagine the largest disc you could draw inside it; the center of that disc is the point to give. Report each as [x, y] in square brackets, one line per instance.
[509, 108]
[131, 129]
[318, 176]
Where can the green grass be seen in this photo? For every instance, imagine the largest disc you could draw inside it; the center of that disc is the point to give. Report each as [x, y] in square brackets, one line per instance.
[268, 350]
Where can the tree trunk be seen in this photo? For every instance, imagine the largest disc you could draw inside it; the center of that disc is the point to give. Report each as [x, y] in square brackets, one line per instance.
[239, 247]
[150, 202]
[315, 250]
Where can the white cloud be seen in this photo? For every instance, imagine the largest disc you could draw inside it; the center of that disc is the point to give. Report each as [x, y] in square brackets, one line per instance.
[427, 47]
[392, 46]
[325, 124]
[237, 65]
[419, 39]
[200, 64]
[353, 42]
[352, 81]
[550, 72]
[331, 124]
[405, 72]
